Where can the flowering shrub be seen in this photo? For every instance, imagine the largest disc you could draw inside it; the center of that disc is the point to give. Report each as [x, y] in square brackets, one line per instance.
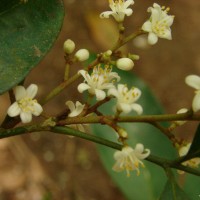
[103, 84]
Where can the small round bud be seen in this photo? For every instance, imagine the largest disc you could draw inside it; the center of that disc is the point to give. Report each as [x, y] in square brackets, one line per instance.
[125, 64]
[122, 133]
[133, 56]
[68, 46]
[108, 53]
[82, 55]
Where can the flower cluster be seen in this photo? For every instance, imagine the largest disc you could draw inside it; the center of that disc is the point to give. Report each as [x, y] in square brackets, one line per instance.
[129, 159]
[102, 79]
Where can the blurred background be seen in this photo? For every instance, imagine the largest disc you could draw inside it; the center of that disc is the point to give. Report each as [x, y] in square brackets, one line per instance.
[48, 166]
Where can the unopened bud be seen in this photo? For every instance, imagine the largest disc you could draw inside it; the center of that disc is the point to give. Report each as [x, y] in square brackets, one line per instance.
[125, 64]
[134, 57]
[69, 46]
[82, 55]
[122, 133]
[108, 53]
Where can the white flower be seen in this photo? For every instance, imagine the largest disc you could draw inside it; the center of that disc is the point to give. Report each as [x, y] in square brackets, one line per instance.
[25, 105]
[82, 55]
[68, 46]
[75, 110]
[126, 98]
[159, 24]
[125, 64]
[98, 81]
[194, 162]
[119, 9]
[129, 159]
[194, 82]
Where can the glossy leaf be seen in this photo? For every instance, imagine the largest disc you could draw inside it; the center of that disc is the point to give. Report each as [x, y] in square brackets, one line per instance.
[173, 192]
[151, 181]
[27, 32]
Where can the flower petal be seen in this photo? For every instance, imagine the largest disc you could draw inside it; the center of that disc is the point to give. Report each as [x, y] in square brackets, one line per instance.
[128, 3]
[37, 109]
[20, 92]
[169, 19]
[196, 102]
[14, 110]
[138, 108]
[113, 92]
[32, 91]
[100, 94]
[140, 152]
[83, 73]
[77, 109]
[106, 14]
[147, 26]
[193, 81]
[82, 87]
[166, 35]
[70, 105]
[123, 107]
[139, 148]
[128, 12]
[137, 93]
[152, 38]
[26, 117]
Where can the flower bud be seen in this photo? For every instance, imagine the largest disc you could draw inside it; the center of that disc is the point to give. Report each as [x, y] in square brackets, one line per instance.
[122, 133]
[68, 46]
[82, 55]
[133, 56]
[125, 64]
[108, 53]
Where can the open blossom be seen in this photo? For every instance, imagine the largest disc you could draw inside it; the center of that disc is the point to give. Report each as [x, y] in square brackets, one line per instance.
[126, 98]
[129, 159]
[194, 82]
[159, 24]
[194, 162]
[75, 110]
[98, 81]
[119, 9]
[25, 105]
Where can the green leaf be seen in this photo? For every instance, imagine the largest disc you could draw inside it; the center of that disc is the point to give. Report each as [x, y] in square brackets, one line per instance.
[192, 186]
[27, 32]
[195, 147]
[173, 192]
[149, 184]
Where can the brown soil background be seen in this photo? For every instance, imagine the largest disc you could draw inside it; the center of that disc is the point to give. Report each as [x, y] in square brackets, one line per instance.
[69, 168]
